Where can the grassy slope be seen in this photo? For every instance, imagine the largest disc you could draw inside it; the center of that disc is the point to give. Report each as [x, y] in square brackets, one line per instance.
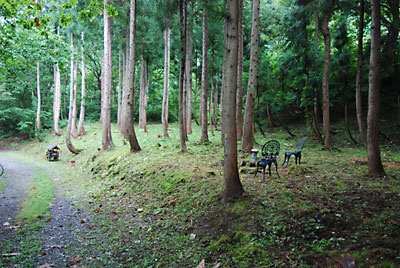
[160, 207]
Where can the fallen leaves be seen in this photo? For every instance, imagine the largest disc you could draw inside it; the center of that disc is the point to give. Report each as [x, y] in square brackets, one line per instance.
[11, 254]
[347, 261]
[47, 265]
[75, 260]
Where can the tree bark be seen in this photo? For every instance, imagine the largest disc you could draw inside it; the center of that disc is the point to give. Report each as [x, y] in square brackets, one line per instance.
[325, 83]
[146, 93]
[81, 128]
[189, 49]
[247, 139]
[128, 130]
[38, 123]
[68, 141]
[315, 120]
[164, 116]
[204, 80]
[107, 142]
[375, 167]
[141, 91]
[239, 98]
[183, 14]
[119, 98]
[232, 186]
[73, 88]
[57, 96]
[360, 114]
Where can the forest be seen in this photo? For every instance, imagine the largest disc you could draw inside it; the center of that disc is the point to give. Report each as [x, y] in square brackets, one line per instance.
[192, 87]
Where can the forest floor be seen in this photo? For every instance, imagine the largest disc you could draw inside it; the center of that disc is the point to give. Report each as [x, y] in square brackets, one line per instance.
[161, 208]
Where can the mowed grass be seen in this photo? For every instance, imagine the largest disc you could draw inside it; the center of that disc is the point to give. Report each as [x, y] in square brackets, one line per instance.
[159, 207]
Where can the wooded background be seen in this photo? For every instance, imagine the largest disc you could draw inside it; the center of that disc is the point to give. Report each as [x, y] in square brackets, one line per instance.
[162, 61]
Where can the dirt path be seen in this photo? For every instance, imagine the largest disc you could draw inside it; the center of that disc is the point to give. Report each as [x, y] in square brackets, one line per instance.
[61, 233]
[17, 178]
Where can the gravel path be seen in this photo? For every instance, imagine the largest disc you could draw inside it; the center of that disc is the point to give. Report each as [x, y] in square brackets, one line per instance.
[60, 236]
[17, 177]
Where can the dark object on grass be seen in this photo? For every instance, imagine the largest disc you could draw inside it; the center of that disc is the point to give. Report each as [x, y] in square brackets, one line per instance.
[270, 152]
[53, 153]
[297, 154]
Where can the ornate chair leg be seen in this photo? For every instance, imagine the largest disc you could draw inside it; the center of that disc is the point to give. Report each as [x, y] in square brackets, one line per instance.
[263, 177]
[276, 167]
[288, 157]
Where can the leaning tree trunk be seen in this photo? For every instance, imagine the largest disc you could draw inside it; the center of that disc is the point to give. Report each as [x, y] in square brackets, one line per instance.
[81, 128]
[107, 142]
[127, 127]
[68, 141]
[204, 81]
[325, 83]
[247, 139]
[232, 187]
[360, 116]
[164, 115]
[374, 157]
[38, 124]
[183, 16]
[239, 98]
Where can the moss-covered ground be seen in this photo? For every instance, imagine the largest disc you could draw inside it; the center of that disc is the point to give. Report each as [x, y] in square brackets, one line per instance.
[161, 208]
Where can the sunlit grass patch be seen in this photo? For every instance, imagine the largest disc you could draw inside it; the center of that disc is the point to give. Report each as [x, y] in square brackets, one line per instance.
[39, 197]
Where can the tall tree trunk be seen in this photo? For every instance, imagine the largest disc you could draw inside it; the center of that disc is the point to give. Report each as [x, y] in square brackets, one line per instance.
[57, 96]
[374, 157]
[164, 116]
[215, 119]
[73, 89]
[183, 16]
[239, 98]
[65, 96]
[57, 100]
[325, 83]
[107, 142]
[204, 80]
[102, 90]
[38, 123]
[81, 129]
[360, 117]
[232, 187]
[189, 49]
[68, 141]
[128, 94]
[210, 106]
[141, 91]
[120, 64]
[315, 120]
[247, 139]
[146, 94]
[195, 95]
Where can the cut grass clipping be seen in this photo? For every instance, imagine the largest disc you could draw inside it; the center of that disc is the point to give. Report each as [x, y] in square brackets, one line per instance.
[40, 195]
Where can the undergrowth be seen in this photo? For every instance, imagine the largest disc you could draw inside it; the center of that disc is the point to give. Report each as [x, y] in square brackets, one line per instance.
[161, 208]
